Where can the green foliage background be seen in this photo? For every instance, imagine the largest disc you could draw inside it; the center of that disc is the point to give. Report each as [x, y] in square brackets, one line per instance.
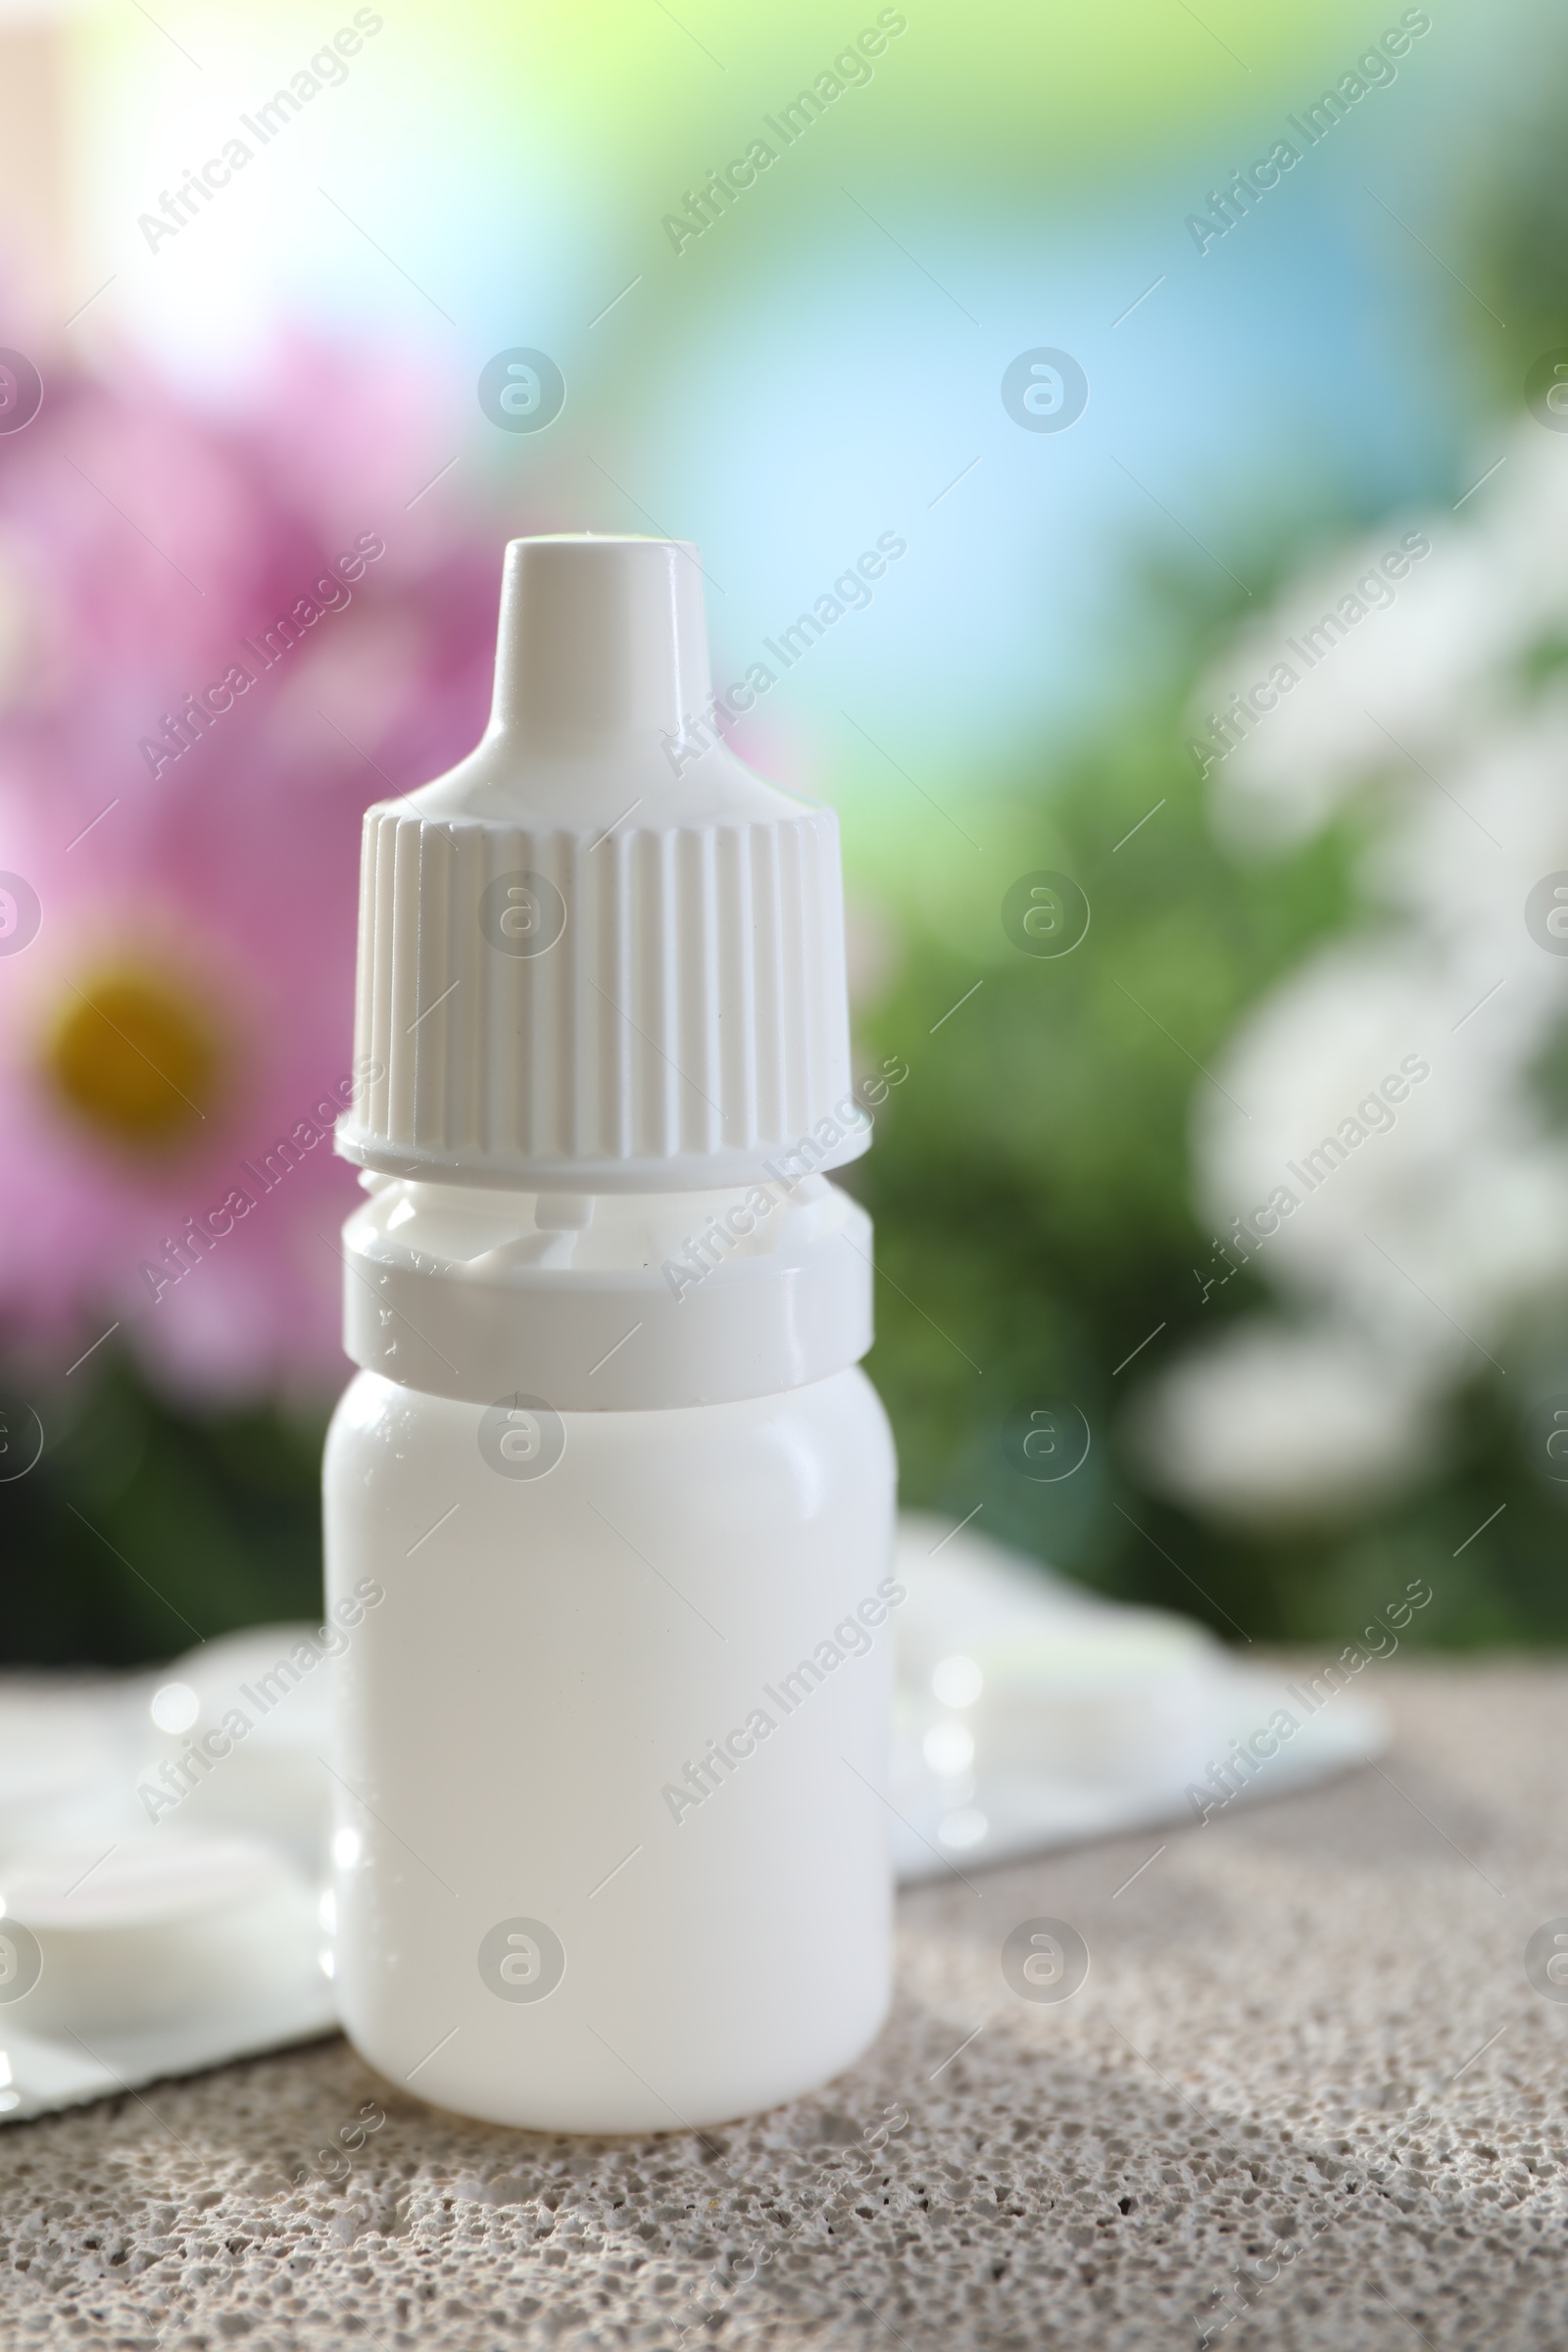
[1030, 1182]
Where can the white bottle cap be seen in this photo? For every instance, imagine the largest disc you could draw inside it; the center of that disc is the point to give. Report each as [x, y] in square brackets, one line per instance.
[600, 955]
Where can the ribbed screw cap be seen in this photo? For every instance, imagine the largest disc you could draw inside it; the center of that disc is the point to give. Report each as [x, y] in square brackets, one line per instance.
[594, 957]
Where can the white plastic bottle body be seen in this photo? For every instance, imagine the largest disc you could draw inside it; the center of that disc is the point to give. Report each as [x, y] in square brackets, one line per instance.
[612, 1845]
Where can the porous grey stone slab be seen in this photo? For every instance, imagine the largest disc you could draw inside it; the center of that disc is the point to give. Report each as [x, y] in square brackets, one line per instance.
[1307, 2097]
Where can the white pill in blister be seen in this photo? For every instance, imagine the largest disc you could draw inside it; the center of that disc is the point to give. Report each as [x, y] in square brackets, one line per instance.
[150, 1926]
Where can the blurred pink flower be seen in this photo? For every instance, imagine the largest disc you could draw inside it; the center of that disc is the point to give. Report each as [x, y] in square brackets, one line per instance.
[184, 1005]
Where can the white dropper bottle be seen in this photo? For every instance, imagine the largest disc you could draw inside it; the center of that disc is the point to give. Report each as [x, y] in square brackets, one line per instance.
[611, 1846]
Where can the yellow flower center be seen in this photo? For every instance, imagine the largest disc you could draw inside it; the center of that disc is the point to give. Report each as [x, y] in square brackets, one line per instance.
[133, 1053]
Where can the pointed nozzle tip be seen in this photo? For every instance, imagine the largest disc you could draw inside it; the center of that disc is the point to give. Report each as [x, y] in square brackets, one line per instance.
[600, 637]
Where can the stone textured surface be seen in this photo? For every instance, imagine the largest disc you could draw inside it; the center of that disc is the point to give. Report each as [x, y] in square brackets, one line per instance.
[1307, 2097]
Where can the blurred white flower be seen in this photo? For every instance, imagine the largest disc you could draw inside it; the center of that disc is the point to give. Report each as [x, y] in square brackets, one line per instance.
[1374, 1144]
[1267, 1424]
[1425, 1197]
[1413, 684]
